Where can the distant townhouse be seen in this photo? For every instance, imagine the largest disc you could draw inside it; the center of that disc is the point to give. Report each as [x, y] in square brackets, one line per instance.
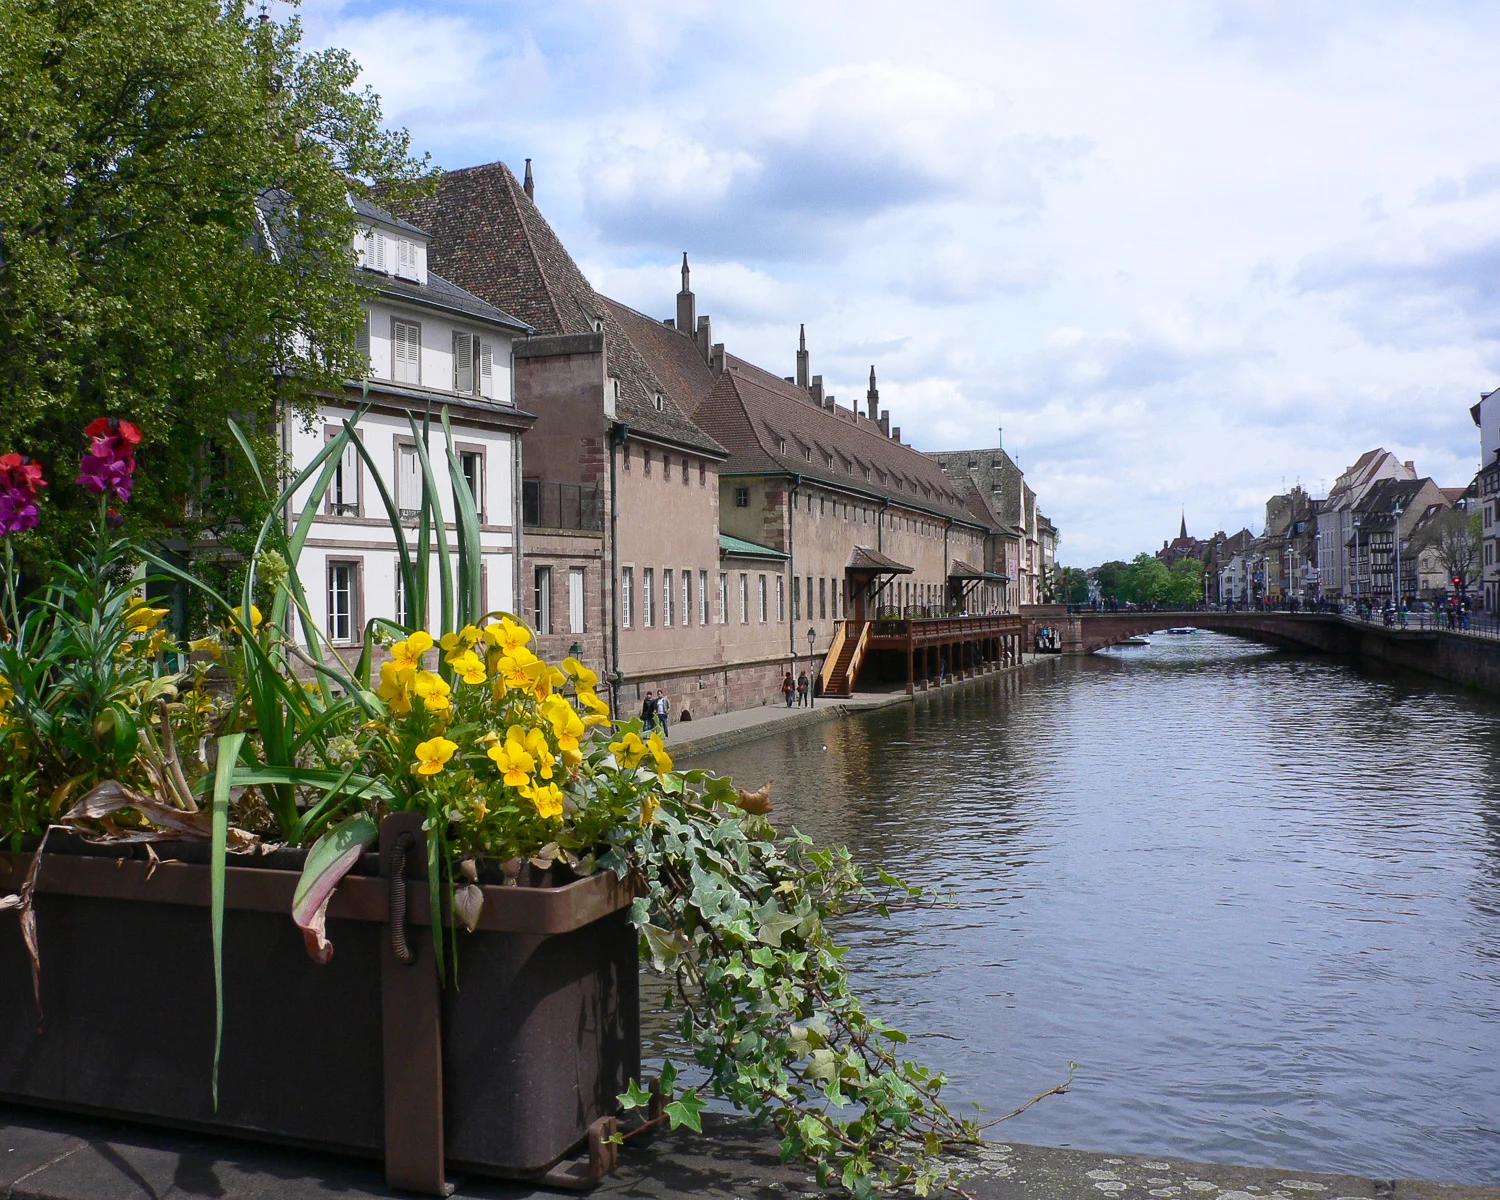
[431, 346]
[1486, 415]
[1336, 532]
[1389, 514]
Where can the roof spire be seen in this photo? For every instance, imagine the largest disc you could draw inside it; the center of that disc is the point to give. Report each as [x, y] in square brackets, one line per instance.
[528, 185]
[687, 304]
[1183, 534]
[685, 287]
[873, 396]
[804, 381]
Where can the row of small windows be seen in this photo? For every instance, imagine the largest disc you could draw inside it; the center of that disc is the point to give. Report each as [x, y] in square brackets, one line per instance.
[344, 613]
[473, 358]
[345, 496]
[651, 607]
[683, 464]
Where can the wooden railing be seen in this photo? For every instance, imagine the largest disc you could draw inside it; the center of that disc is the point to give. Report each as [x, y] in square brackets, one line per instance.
[858, 657]
[830, 660]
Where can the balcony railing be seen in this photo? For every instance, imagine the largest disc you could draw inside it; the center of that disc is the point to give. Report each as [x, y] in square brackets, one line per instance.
[561, 505]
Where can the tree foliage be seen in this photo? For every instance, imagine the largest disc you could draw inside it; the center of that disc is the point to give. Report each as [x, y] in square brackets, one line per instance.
[1455, 537]
[175, 240]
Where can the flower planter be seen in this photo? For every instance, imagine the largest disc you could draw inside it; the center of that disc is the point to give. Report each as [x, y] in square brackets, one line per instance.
[502, 1075]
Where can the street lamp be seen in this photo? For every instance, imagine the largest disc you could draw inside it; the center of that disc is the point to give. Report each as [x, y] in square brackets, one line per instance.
[1355, 579]
[1396, 543]
[812, 688]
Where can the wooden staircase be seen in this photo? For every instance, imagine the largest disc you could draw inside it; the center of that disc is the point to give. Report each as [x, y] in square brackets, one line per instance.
[841, 666]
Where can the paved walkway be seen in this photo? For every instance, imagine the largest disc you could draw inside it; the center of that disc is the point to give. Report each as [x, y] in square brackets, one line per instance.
[50, 1157]
[717, 732]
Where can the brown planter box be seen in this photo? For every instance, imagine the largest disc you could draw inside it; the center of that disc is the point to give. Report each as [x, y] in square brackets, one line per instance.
[501, 1075]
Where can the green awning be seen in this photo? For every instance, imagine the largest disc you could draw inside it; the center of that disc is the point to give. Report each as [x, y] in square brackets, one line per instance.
[733, 547]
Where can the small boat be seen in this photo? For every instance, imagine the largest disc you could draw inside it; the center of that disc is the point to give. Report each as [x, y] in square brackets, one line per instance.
[1139, 639]
[1183, 629]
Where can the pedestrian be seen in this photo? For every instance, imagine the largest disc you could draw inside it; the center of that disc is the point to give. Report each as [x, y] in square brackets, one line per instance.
[788, 687]
[802, 686]
[648, 713]
[663, 711]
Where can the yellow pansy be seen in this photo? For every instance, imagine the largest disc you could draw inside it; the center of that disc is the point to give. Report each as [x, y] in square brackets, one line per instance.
[546, 682]
[659, 754]
[598, 710]
[515, 763]
[520, 668]
[548, 800]
[464, 639]
[585, 679]
[7, 693]
[506, 635]
[139, 617]
[432, 689]
[536, 745]
[395, 686]
[468, 666]
[628, 751]
[566, 724]
[432, 754]
[649, 804]
[206, 645]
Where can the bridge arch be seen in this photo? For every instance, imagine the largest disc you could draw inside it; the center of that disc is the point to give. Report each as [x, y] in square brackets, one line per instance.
[1323, 632]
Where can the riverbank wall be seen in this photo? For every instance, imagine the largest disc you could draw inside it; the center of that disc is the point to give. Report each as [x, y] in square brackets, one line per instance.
[724, 730]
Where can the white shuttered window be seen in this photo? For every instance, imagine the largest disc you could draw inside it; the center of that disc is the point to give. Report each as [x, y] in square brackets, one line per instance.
[406, 352]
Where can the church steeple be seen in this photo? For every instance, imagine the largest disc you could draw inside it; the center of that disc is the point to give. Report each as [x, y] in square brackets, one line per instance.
[1183, 533]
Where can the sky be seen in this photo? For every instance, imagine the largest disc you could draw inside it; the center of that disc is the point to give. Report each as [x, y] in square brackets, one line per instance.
[1174, 256]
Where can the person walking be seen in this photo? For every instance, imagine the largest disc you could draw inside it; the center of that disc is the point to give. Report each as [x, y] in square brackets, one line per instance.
[788, 688]
[648, 713]
[663, 712]
[802, 686]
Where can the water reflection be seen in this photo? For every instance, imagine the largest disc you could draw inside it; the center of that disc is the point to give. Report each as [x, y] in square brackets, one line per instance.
[1254, 895]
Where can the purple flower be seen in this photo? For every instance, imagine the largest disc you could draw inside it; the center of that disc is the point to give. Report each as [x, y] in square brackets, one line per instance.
[109, 465]
[19, 480]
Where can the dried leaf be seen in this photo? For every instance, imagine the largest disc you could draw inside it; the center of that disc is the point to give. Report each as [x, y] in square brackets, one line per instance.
[468, 902]
[328, 861]
[109, 797]
[23, 901]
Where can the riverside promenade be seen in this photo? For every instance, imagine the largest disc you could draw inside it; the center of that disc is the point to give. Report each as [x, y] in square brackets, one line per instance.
[48, 1157]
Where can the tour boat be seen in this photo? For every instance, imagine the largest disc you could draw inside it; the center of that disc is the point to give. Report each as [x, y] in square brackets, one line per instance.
[1139, 639]
[1183, 629]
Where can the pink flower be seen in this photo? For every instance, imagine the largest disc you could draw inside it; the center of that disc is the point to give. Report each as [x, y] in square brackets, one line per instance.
[109, 465]
[19, 480]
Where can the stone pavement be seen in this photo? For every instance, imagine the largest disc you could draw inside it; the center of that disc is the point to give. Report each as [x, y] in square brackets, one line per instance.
[722, 730]
[50, 1157]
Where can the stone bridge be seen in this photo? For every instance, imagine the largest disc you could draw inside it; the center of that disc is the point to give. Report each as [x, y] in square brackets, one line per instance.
[1086, 632]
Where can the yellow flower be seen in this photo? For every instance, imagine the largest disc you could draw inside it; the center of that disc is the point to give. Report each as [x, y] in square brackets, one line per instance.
[515, 763]
[395, 686]
[433, 690]
[628, 751]
[520, 668]
[206, 645]
[506, 635]
[659, 754]
[546, 681]
[567, 726]
[649, 805]
[7, 693]
[465, 639]
[139, 617]
[536, 745]
[598, 709]
[548, 800]
[419, 643]
[431, 755]
[585, 679]
[469, 666]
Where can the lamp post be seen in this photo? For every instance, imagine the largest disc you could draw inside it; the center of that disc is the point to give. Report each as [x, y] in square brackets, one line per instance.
[1396, 545]
[1354, 579]
[812, 682]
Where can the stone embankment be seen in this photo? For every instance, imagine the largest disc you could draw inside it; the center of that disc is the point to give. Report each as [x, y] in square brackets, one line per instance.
[47, 1157]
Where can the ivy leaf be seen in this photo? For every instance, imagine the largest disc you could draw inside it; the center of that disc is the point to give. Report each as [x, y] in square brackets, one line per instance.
[665, 946]
[635, 1096]
[668, 1078]
[686, 1111]
[773, 923]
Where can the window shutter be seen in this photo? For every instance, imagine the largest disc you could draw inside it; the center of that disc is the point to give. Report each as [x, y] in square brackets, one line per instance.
[362, 341]
[486, 369]
[377, 250]
[463, 362]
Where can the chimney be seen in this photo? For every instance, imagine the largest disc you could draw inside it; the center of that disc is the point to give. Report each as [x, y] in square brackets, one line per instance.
[873, 396]
[896, 434]
[716, 359]
[817, 390]
[669, 323]
[802, 357]
[1000, 437]
[705, 338]
[831, 403]
[1411, 466]
[885, 423]
[687, 303]
[529, 186]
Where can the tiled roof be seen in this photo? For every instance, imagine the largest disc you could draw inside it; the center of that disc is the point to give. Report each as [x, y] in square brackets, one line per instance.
[485, 233]
[770, 425]
[739, 548]
[440, 293]
[958, 569]
[863, 558]
[374, 212]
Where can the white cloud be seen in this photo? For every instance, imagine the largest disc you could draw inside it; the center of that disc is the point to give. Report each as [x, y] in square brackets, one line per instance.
[1182, 252]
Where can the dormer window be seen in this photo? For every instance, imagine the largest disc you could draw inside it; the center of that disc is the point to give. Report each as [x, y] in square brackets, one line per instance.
[829, 459]
[406, 258]
[807, 453]
[781, 446]
[375, 250]
[658, 401]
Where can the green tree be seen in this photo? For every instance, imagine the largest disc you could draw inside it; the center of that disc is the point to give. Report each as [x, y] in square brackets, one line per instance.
[1075, 585]
[1185, 585]
[1455, 537]
[1147, 580]
[1110, 577]
[175, 242]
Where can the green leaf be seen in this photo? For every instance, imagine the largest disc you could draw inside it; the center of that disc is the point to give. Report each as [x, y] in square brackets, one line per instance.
[229, 750]
[330, 859]
[686, 1111]
[635, 1096]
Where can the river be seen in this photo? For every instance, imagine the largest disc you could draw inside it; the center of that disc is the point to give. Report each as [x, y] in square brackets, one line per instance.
[1254, 895]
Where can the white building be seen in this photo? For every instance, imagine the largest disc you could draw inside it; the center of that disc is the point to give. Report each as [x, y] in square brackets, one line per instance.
[1336, 529]
[432, 346]
[1486, 415]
